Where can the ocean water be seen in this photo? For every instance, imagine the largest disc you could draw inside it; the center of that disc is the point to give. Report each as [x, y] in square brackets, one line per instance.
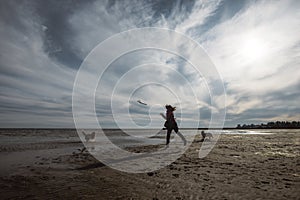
[130, 138]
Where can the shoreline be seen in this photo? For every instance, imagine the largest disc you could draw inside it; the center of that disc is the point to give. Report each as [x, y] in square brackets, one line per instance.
[117, 129]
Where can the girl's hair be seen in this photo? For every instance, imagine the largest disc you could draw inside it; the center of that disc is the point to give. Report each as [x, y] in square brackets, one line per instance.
[170, 107]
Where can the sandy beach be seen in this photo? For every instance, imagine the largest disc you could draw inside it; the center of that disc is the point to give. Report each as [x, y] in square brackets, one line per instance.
[241, 166]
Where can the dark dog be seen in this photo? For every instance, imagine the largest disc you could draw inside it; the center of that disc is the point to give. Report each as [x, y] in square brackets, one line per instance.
[209, 136]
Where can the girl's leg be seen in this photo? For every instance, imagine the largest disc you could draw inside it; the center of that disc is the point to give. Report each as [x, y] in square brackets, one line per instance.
[168, 136]
[181, 136]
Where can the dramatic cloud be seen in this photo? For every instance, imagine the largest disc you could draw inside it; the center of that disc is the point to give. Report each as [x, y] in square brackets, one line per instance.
[254, 45]
[257, 52]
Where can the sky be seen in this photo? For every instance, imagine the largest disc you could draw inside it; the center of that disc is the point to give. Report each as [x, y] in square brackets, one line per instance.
[254, 46]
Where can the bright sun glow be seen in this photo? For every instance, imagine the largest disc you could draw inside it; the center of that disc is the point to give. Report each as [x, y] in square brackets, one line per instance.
[253, 49]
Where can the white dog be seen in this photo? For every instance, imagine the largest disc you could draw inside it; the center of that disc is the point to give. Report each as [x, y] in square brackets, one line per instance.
[89, 137]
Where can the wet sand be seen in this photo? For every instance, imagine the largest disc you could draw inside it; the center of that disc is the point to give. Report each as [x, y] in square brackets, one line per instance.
[239, 167]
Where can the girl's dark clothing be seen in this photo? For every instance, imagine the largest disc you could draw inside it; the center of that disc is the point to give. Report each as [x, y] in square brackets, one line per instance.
[172, 125]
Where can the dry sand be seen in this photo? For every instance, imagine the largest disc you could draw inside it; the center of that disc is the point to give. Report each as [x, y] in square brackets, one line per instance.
[239, 167]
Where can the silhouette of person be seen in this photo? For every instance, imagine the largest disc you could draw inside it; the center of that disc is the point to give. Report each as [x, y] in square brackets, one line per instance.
[203, 136]
[171, 124]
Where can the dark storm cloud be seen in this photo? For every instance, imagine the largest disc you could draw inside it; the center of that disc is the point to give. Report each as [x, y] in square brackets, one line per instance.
[54, 17]
[169, 9]
[35, 89]
[6, 17]
[262, 115]
[272, 106]
[225, 11]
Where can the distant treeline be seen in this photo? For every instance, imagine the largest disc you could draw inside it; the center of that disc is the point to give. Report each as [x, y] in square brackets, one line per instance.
[277, 124]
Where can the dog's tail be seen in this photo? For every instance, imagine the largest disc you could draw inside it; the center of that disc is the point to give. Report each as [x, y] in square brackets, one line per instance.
[93, 134]
[83, 133]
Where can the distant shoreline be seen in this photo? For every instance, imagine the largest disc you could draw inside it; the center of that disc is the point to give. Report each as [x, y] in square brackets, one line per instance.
[115, 129]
